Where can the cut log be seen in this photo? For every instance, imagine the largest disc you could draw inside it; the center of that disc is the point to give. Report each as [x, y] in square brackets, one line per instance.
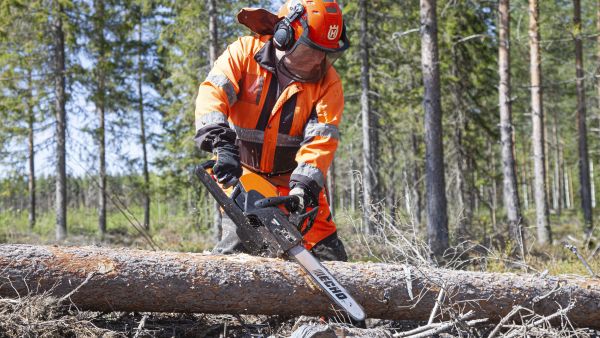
[146, 281]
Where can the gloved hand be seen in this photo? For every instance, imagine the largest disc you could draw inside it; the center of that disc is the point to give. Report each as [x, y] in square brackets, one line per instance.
[227, 168]
[300, 204]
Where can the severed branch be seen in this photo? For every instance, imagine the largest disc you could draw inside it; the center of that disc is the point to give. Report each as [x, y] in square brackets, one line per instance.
[141, 326]
[68, 295]
[574, 250]
[504, 320]
[438, 303]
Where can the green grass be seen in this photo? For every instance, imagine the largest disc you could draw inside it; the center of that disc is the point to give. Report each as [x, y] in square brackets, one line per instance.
[171, 228]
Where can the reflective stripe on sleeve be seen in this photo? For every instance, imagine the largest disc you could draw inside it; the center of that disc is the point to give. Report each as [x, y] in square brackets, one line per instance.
[214, 117]
[314, 128]
[223, 82]
[312, 172]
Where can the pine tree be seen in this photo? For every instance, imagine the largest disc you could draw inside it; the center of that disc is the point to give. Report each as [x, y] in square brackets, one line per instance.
[437, 219]
[510, 191]
[369, 128]
[538, 137]
[22, 63]
[60, 99]
[584, 169]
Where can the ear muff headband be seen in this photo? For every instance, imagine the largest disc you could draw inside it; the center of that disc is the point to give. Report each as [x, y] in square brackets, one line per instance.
[283, 38]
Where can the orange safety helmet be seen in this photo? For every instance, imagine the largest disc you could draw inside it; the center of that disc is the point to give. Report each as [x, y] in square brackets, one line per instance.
[313, 36]
[324, 19]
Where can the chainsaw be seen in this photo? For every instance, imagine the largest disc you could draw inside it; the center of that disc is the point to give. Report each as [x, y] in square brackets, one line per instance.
[266, 227]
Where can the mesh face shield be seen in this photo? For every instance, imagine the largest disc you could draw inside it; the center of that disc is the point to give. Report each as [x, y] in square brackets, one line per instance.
[308, 62]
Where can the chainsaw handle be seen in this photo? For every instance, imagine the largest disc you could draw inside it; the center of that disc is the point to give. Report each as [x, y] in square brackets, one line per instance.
[290, 202]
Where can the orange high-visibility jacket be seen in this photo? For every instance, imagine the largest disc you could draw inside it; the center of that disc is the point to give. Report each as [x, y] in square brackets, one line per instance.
[295, 132]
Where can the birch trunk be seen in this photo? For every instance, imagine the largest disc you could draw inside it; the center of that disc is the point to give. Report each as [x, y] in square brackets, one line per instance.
[510, 190]
[544, 233]
[437, 218]
[134, 280]
[60, 99]
[584, 170]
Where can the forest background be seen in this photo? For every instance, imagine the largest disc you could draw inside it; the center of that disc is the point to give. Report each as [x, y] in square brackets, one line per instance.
[97, 101]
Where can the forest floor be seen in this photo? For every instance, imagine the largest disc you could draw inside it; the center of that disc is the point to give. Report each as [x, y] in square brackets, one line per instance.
[403, 243]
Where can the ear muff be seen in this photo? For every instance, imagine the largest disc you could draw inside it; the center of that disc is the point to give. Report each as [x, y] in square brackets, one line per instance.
[283, 38]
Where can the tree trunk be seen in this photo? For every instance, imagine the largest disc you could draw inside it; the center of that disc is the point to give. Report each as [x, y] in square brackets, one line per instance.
[437, 218]
[544, 233]
[31, 150]
[143, 281]
[352, 183]
[213, 47]
[331, 188]
[558, 183]
[60, 99]
[416, 176]
[592, 185]
[369, 129]
[584, 170]
[524, 183]
[598, 57]
[510, 190]
[146, 187]
[464, 216]
[101, 111]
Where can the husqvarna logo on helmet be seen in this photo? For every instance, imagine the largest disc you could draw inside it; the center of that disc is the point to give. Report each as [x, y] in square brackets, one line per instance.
[333, 32]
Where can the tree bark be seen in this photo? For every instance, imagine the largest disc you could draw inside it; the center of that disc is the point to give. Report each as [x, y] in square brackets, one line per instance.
[143, 140]
[510, 190]
[101, 111]
[331, 188]
[558, 182]
[213, 47]
[60, 99]
[544, 233]
[460, 122]
[598, 55]
[31, 150]
[134, 280]
[584, 169]
[369, 129]
[416, 176]
[437, 218]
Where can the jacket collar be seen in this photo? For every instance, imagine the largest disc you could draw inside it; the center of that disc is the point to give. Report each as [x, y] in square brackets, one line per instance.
[265, 57]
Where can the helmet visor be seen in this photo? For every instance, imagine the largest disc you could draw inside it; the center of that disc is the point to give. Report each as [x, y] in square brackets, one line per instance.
[308, 62]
